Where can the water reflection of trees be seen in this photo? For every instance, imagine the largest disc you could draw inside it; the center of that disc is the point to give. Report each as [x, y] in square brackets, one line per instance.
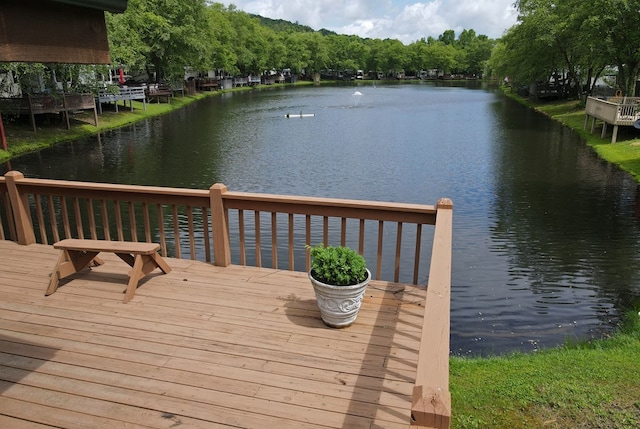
[563, 218]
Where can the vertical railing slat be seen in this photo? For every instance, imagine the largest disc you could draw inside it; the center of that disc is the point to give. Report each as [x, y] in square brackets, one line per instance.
[92, 219]
[192, 244]
[65, 217]
[205, 234]
[416, 259]
[52, 219]
[105, 219]
[176, 232]
[116, 208]
[396, 273]
[274, 240]
[147, 222]
[161, 233]
[291, 244]
[78, 216]
[257, 234]
[243, 245]
[379, 249]
[307, 240]
[41, 224]
[325, 230]
[132, 222]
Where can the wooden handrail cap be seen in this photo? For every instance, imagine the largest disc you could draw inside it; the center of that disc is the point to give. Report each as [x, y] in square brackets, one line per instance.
[444, 203]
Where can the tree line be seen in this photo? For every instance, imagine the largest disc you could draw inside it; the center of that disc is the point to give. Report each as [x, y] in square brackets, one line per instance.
[574, 42]
[168, 36]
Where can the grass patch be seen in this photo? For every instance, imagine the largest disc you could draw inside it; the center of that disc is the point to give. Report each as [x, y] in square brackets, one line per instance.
[586, 385]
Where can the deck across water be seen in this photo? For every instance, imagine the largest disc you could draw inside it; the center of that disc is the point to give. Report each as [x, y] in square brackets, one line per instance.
[200, 347]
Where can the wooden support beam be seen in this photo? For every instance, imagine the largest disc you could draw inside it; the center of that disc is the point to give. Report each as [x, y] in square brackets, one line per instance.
[431, 404]
[20, 209]
[47, 32]
[221, 246]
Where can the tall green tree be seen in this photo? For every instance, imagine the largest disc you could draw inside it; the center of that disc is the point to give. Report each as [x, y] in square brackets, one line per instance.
[574, 39]
[394, 56]
[317, 47]
[166, 34]
[612, 28]
[223, 37]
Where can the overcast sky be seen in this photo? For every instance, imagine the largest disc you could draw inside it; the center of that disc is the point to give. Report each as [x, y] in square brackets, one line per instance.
[404, 20]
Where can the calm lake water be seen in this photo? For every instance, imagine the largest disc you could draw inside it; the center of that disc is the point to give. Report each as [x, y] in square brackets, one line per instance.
[546, 235]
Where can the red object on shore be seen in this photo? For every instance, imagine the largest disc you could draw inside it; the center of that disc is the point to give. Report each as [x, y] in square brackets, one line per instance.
[2, 136]
[121, 77]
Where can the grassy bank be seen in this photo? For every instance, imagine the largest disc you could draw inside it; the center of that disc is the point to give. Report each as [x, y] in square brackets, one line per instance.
[21, 139]
[589, 385]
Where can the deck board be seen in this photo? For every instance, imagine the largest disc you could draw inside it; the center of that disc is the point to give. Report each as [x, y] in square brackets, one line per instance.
[200, 347]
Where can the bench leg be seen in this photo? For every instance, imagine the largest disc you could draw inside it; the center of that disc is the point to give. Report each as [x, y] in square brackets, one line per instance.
[160, 263]
[134, 277]
[70, 262]
[141, 266]
[55, 275]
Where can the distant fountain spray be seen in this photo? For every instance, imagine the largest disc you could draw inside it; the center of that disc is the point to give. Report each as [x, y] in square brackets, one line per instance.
[356, 98]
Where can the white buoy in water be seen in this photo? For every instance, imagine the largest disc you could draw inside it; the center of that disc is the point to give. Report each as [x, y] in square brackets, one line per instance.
[299, 115]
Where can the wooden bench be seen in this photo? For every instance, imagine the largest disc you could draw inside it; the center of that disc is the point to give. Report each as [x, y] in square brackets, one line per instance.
[156, 91]
[76, 254]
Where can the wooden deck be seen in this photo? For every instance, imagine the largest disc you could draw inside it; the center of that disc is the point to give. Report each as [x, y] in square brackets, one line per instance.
[200, 347]
[617, 111]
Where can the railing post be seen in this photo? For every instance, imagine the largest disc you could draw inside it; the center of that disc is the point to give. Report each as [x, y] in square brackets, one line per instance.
[221, 247]
[20, 208]
[431, 404]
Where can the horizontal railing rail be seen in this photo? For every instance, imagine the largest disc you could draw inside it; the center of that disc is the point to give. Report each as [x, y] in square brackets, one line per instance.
[246, 228]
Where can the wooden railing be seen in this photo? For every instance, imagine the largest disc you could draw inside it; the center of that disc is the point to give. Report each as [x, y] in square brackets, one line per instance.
[612, 110]
[246, 228]
[123, 94]
[48, 103]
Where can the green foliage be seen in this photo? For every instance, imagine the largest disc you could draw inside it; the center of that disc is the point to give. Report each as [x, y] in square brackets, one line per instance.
[572, 38]
[165, 36]
[340, 265]
[588, 385]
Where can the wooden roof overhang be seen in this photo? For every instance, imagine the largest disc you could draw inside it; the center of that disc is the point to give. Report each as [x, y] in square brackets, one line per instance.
[60, 31]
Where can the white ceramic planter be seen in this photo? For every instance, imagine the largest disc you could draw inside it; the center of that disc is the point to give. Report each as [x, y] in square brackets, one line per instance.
[339, 305]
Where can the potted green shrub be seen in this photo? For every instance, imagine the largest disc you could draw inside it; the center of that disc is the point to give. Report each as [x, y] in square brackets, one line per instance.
[339, 276]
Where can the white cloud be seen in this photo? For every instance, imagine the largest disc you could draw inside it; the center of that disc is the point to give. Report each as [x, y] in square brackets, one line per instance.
[396, 19]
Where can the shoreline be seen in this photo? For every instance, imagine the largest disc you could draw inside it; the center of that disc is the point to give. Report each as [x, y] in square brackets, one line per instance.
[625, 153]
[21, 139]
